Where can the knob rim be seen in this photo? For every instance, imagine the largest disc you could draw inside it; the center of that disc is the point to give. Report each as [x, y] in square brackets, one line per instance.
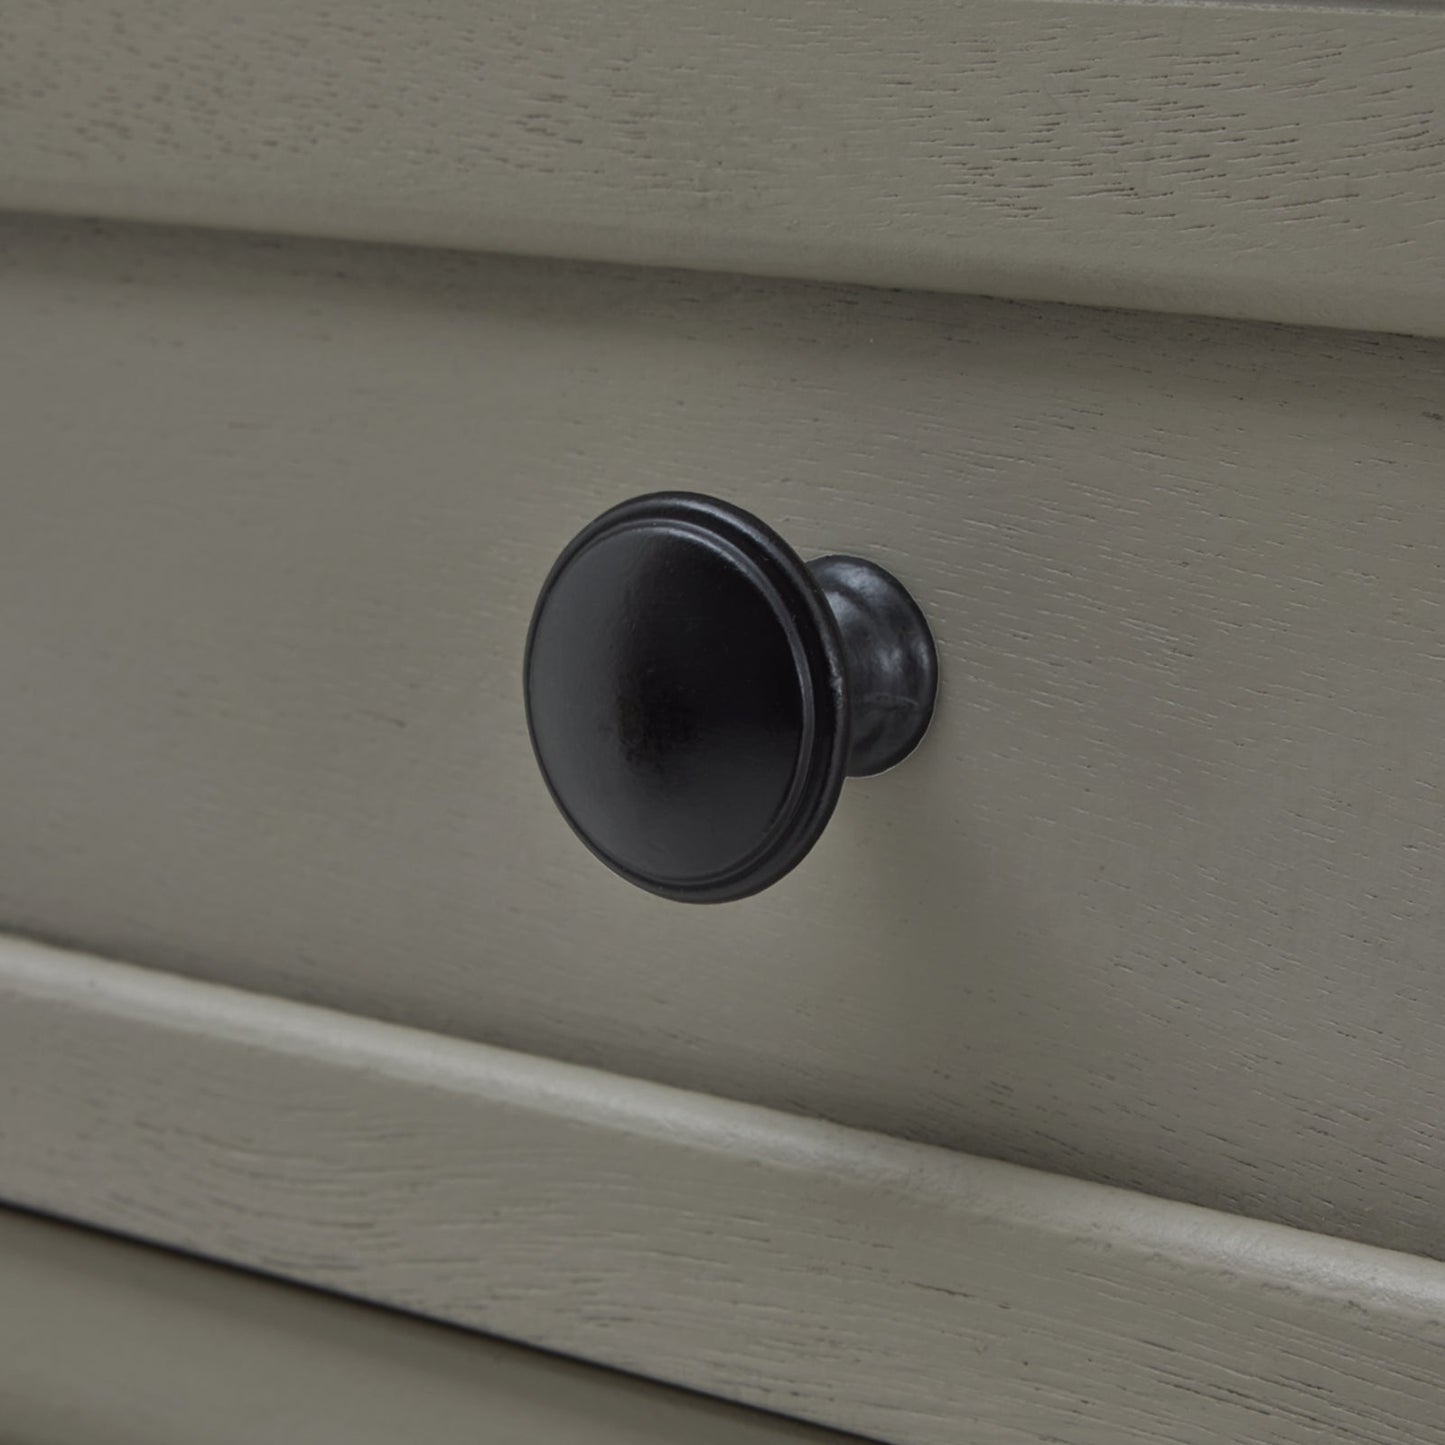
[795, 598]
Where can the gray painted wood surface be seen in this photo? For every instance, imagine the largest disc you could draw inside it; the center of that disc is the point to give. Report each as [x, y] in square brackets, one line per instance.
[105, 1342]
[918, 1296]
[1157, 903]
[1280, 161]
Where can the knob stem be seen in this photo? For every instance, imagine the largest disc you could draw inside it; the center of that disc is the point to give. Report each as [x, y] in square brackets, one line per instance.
[889, 658]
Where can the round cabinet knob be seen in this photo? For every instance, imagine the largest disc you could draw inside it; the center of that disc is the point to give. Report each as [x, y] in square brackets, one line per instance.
[696, 692]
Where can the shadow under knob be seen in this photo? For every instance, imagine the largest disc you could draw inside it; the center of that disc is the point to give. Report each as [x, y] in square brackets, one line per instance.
[696, 693]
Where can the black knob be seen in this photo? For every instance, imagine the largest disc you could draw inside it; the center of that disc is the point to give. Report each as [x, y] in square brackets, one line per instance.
[696, 693]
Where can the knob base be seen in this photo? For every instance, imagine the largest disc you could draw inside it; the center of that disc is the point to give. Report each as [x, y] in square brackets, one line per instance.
[889, 657]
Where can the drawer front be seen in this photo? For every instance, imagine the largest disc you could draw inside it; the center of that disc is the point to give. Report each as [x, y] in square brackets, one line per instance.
[1157, 900]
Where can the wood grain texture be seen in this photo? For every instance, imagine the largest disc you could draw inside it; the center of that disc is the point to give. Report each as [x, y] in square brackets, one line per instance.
[917, 1296]
[1157, 902]
[1285, 162]
[105, 1342]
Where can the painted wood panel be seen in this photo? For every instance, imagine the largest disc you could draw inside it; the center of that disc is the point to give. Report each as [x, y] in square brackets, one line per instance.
[918, 1296]
[1158, 901]
[1277, 161]
[106, 1342]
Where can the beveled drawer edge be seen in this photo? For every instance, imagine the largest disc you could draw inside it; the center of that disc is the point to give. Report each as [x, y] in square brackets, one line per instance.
[873, 1285]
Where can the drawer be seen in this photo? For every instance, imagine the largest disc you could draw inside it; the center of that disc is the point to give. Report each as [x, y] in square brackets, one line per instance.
[1156, 903]
[103, 1341]
[911, 1294]
[1280, 162]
